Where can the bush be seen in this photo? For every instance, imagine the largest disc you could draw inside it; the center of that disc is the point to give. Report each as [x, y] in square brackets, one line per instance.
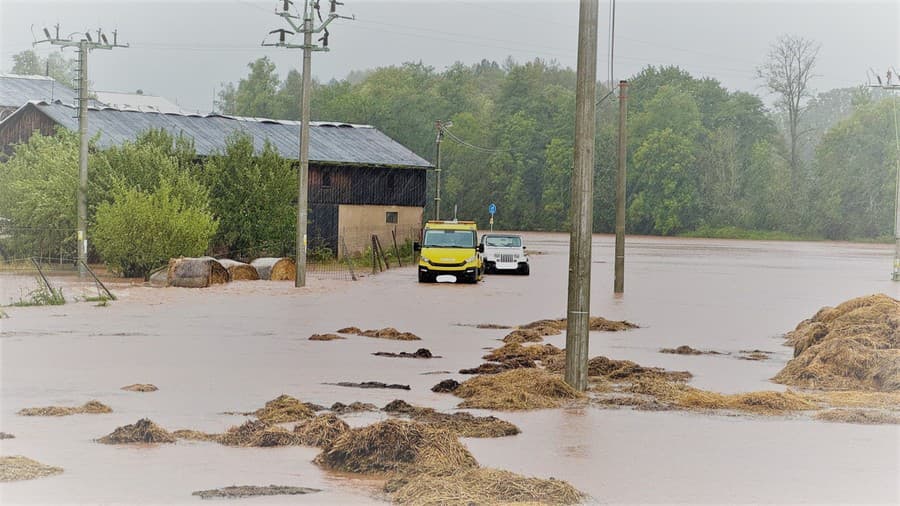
[140, 230]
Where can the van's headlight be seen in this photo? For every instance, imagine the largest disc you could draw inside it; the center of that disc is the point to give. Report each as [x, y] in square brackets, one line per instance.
[471, 259]
[425, 259]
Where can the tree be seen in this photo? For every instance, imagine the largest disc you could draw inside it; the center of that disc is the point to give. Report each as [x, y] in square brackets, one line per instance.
[55, 65]
[252, 196]
[255, 95]
[787, 73]
[141, 230]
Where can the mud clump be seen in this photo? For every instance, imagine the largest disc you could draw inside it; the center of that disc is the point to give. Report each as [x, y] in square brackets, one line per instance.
[325, 337]
[17, 468]
[370, 384]
[859, 416]
[447, 385]
[495, 326]
[482, 486]
[523, 336]
[461, 424]
[353, 407]
[687, 350]
[322, 431]
[519, 389]
[140, 387]
[284, 408]
[854, 346]
[142, 431]
[420, 353]
[385, 333]
[90, 407]
[195, 435]
[397, 446]
[260, 434]
[235, 492]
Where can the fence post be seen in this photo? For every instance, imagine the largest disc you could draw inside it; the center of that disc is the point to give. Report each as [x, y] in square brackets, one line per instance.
[347, 259]
[396, 249]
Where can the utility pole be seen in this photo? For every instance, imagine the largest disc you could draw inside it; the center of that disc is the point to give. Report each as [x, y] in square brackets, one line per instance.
[579, 297]
[84, 44]
[888, 84]
[440, 126]
[307, 28]
[619, 285]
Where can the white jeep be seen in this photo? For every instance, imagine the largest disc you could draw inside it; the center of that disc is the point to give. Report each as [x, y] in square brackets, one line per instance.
[504, 252]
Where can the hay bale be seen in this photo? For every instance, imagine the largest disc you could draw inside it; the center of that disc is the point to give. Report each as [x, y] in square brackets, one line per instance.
[284, 408]
[239, 271]
[854, 346]
[519, 389]
[275, 268]
[524, 336]
[142, 431]
[160, 277]
[90, 407]
[140, 387]
[397, 446]
[325, 337]
[195, 272]
[18, 468]
[321, 431]
[859, 416]
[483, 486]
[195, 435]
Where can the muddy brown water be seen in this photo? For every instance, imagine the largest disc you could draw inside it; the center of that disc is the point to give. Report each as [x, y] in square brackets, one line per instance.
[233, 347]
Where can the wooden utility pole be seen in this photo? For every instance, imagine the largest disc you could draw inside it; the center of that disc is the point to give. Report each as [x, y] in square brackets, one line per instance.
[579, 298]
[84, 44]
[619, 285]
[307, 29]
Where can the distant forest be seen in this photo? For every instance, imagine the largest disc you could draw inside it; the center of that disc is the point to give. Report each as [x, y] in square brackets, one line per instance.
[702, 160]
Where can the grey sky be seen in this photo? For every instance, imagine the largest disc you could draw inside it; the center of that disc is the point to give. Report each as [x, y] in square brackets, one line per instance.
[184, 50]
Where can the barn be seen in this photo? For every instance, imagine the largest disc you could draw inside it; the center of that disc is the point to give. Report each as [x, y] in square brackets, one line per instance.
[361, 182]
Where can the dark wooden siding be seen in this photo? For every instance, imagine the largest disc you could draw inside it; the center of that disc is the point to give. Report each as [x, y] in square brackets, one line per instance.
[322, 227]
[366, 186]
[19, 129]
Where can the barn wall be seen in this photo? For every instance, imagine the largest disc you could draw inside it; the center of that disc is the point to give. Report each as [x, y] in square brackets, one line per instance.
[356, 224]
[19, 129]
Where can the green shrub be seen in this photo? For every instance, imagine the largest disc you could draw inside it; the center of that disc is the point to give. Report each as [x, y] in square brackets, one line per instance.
[141, 230]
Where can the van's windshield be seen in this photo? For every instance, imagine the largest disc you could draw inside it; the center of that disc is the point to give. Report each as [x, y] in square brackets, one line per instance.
[449, 239]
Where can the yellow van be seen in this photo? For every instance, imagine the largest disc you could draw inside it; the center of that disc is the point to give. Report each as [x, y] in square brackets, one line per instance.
[450, 248]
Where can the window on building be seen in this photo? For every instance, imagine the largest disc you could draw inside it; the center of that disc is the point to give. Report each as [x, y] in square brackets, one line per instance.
[391, 217]
[326, 180]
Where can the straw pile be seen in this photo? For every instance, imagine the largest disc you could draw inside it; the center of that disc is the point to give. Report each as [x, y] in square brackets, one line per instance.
[513, 351]
[353, 407]
[385, 333]
[483, 486]
[754, 355]
[524, 336]
[492, 326]
[195, 272]
[597, 323]
[617, 371]
[142, 431]
[859, 416]
[857, 399]
[284, 408]
[321, 431]
[195, 435]
[854, 346]
[140, 387]
[90, 407]
[687, 350]
[767, 402]
[461, 424]
[17, 468]
[447, 385]
[236, 492]
[519, 389]
[325, 337]
[6, 435]
[239, 271]
[275, 269]
[258, 433]
[397, 446]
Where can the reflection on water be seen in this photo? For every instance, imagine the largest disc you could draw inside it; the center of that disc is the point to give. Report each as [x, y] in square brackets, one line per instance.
[232, 347]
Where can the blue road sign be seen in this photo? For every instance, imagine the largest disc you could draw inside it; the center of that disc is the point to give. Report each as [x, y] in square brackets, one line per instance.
[492, 208]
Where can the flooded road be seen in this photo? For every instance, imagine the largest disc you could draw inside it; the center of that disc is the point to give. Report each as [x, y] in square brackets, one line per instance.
[231, 348]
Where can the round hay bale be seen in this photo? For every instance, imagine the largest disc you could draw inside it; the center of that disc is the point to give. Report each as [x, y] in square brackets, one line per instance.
[196, 272]
[239, 271]
[160, 277]
[397, 446]
[275, 268]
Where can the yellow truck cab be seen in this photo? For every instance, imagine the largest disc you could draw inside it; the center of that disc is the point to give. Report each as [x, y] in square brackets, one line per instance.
[450, 248]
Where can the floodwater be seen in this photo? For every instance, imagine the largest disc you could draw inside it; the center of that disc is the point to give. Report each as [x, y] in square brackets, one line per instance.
[231, 348]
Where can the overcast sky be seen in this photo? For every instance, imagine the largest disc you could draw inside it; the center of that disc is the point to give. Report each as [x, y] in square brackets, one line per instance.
[184, 50]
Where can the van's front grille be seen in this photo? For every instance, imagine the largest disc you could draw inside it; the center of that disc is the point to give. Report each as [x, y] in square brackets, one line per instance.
[458, 264]
[507, 258]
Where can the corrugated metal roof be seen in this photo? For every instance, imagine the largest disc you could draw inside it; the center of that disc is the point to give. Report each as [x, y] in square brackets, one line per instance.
[16, 90]
[328, 142]
[138, 102]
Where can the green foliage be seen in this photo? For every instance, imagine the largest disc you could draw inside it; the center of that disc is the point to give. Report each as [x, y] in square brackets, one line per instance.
[28, 62]
[666, 194]
[142, 229]
[252, 195]
[42, 296]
